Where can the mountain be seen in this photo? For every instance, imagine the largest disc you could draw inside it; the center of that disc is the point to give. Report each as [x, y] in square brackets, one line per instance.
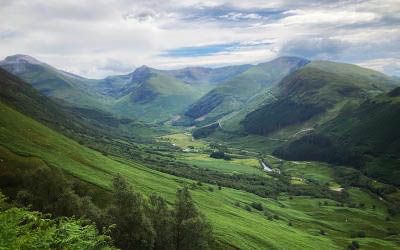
[234, 93]
[313, 90]
[70, 121]
[72, 89]
[152, 95]
[365, 136]
[146, 94]
[201, 75]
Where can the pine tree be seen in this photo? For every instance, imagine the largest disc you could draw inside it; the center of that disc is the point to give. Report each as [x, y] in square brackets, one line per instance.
[133, 229]
[192, 230]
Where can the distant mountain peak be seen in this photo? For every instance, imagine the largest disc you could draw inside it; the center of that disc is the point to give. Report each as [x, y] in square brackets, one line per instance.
[19, 58]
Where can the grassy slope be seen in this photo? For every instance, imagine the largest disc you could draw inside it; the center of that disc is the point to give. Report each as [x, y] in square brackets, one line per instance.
[60, 85]
[312, 91]
[369, 131]
[158, 98]
[233, 225]
[234, 93]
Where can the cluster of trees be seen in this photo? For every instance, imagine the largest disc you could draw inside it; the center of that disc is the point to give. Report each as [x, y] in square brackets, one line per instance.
[142, 223]
[220, 155]
[278, 115]
[205, 131]
[132, 220]
[317, 147]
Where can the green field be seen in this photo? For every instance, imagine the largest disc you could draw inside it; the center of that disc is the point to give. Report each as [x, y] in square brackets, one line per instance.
[245, 166]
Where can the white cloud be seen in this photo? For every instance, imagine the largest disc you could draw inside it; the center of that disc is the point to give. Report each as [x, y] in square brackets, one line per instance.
[88, 37]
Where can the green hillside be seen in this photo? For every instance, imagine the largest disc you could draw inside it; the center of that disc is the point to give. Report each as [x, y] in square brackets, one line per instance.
[152, 95]
[312, 91]
[54, 83]
[236, 92]
[201, 75]
[72, 121]
[365, 136]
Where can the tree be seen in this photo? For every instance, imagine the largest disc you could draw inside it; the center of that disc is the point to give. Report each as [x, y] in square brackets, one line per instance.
[133, 229]
[192, 229]
[163, 222]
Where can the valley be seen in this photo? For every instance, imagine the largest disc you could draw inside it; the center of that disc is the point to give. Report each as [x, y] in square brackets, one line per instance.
[268, 165]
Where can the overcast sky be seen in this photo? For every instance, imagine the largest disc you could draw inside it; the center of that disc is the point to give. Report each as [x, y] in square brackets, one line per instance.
[105, 37]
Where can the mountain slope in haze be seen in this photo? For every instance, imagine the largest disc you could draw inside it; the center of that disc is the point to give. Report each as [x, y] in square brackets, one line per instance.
[58, 84]
[146, 94]
[152, 95]
[233, 94]
[203, 75]
[69, 120]
[313, 90]
[365, 136]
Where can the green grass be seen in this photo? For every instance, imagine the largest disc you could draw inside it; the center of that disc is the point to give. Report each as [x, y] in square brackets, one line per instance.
[243, 166]
[184, 140]
[233, 225]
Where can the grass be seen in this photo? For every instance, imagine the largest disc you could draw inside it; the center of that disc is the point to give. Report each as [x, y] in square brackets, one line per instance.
[244, 166]
[184, 140]
[234, 226]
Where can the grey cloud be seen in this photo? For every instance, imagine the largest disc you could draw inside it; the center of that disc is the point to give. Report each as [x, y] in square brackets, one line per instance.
[322, 48]
[116, 66]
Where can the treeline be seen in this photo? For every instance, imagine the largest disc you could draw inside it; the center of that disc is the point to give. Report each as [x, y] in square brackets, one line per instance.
[317, 147]
[141, 223]
[277, 115]
[205, 131]
[132, 220]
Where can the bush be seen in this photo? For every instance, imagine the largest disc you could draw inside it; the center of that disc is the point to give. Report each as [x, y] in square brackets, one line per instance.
[248, 208]
[354, 245]
[220, 155]
[257, 205]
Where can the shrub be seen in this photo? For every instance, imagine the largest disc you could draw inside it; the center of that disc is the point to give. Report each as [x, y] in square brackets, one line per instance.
[354, 245]
[257, 205]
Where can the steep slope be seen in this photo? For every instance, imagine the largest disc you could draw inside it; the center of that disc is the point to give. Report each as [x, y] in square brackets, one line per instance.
[312, 91]
[68, 120]
[152, 95]
[235, 93]
[73, 89]
[202, 75]
[142, 94]
[365, 136]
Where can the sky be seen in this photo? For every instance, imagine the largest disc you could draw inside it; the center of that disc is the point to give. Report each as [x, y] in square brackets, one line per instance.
[97, 38]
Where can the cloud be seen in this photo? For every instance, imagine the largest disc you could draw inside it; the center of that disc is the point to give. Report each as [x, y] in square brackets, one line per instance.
[111, 36]
[212, 49]
[114, 65]
[390, 66]
[321, 48]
